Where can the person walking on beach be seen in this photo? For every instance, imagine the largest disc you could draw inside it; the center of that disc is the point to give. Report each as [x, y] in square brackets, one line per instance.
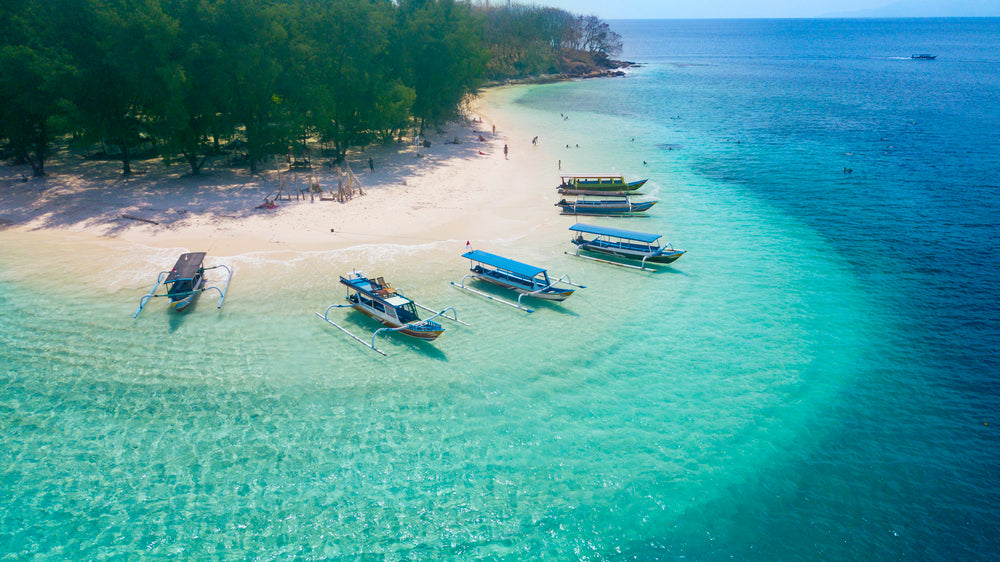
[371, 165]
[534, 141]
[505, 152]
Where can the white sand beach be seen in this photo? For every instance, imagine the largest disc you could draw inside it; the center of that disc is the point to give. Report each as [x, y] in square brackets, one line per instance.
[416, 196]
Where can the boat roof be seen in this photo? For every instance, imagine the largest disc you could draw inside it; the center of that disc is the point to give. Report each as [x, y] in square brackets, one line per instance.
[397, 301]
[186, 267]
[616, 232]
[500, 262]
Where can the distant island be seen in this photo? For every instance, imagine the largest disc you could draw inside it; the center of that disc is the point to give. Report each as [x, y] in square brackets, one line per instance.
[256, 78]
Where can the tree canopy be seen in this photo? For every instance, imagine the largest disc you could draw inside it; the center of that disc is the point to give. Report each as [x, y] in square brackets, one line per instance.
[186, 78]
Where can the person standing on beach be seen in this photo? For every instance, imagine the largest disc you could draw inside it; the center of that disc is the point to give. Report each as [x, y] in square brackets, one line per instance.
[505, 152]
[371, 165]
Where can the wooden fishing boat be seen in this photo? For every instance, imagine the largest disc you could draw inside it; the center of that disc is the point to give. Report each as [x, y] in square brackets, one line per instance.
[185, 281]
[377, 299]
[591, 192]
[603, 183]
[527, 280]
[622, 206]
[624, 244]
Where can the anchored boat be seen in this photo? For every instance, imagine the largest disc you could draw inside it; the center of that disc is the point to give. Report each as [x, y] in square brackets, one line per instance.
[185, 281]
[527, 280]
[602, 183]
[377, 299]
[622, 206]
[624, 244]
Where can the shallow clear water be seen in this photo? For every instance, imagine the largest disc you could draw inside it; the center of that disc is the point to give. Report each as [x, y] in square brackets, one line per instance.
[814, 379]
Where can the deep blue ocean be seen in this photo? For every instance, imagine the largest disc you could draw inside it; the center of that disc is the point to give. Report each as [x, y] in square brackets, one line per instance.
[815, 379]
[896, 164]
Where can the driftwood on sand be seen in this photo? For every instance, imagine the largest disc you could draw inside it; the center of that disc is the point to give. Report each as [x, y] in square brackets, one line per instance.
[135, 218]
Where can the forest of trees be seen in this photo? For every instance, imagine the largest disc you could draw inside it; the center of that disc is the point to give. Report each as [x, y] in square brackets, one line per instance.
[188, 79]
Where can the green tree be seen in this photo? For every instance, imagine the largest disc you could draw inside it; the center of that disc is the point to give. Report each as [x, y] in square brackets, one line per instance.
[441, 54]
[192, 117]
[125, 67]
[35, 67]
[254, 39]
[343, 88]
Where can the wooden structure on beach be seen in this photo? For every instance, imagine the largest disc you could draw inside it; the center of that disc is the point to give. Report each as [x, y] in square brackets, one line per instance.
[348, 186]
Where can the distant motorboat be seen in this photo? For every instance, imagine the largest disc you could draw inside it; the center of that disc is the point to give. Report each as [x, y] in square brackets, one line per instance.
[923, 56]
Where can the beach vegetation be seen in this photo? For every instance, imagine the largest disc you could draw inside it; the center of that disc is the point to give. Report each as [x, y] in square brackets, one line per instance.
[251, 79]
[531, 41]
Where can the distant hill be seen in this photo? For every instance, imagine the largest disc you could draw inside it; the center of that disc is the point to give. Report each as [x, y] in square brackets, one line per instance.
[928, 9]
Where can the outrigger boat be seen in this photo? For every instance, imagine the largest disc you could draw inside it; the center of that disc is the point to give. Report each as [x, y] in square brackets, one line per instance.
[604, 207]
[522, 278]
[375, 298]
[593, 192]
[601, 183]
[624, 244]
[185, 282]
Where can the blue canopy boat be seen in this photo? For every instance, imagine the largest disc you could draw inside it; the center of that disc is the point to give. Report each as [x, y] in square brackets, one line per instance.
[375, 298]
[624, 244]
[528, 280]
[185, 281]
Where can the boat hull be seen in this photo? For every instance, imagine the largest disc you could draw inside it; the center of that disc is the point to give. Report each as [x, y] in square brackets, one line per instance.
[590, 192]
[181, 302]
[604, 208]
[602, 186]
[550, 294]
[662, 258]
[428, 333]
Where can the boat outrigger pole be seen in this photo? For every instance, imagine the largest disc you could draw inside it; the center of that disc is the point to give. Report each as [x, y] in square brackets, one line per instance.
[145, 299]
[442, 314]
[326, 316]
[643, 267]
[165, 278]
[491, 297]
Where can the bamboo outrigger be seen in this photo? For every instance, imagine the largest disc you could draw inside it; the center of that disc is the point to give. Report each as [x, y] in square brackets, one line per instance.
[185, 281]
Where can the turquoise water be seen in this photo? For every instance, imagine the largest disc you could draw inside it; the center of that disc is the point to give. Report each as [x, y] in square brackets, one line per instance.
[796, 386]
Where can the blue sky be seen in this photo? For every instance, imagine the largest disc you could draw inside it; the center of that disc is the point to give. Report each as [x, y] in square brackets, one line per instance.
[653, 9]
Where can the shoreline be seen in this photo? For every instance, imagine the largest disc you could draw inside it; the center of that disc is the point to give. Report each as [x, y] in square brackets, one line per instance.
[451, 192]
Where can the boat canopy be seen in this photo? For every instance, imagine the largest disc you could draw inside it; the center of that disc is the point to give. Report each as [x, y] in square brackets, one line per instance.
[397, 301]
[616, 232]
[186, 267]
[499, 262]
